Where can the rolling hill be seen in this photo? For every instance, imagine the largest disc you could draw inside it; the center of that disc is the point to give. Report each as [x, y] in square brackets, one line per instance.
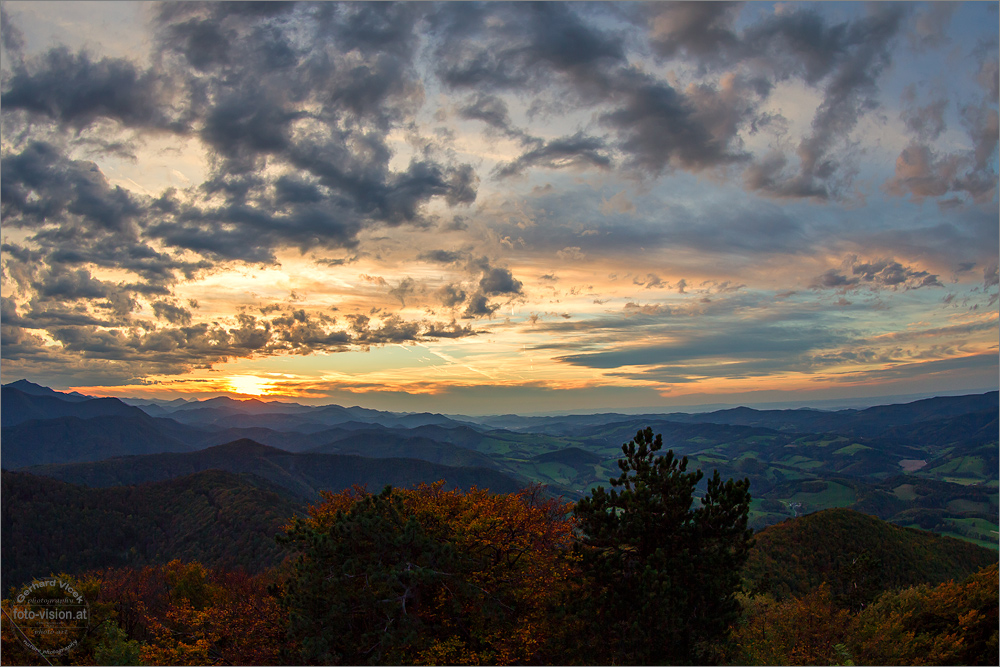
[846, 549]
[218, 518]
[74, 439]
[303, 474]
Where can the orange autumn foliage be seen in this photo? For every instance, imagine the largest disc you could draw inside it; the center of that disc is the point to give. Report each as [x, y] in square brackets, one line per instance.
[184, 613]
[798, 631]
[510, 567]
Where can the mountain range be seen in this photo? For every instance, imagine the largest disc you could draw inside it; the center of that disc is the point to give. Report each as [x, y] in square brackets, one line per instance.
[930, 463]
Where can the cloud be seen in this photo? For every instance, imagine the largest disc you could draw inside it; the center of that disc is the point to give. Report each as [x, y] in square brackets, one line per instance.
[497, 47]
[498, 280]
[443, 256]
[702, 31]
[75, 218]
[920, 173]
[651, 281]
[405, 287]
[926, 122]
[11, 39]
[991, 276]
[566, 152]
[571, 254]
[147, 349]
[619, 203]
[748, 341]
[931, 25]
[74, 90]
[876, 274]
[659, 127]
[479, 306]
[493, 111]
[452, 330]
[847, 59]
[312, 121]
[451, 296]
[40, 185]
[171, 313]
[330, 134]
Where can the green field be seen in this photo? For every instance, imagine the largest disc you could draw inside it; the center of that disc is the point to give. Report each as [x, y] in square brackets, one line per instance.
[978, 531]
[835, 495]
[851, 449]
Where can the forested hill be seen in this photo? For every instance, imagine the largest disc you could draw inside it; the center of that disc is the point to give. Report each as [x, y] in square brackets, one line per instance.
[850, 551]
[303, 474]
[218, 518]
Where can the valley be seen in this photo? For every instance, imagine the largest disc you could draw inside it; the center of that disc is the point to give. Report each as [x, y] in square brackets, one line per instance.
[929, 464]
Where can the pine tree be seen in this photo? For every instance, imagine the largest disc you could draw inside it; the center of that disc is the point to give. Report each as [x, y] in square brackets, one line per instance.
[664, 574]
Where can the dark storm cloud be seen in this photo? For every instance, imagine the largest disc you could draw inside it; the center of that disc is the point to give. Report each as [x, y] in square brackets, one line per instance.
[252, 109]
[78, 218]
[40, 185]
[77, 91]
[245, 125]
[72, 285]
[657, 126]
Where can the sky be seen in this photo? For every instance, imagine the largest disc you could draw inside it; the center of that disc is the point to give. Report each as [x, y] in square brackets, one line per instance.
[500, 207]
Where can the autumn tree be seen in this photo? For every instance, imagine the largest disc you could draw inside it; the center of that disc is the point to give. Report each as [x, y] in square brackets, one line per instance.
[664, 573]
[954, 623]
[807, 630]
[428, 576]
[181, 613]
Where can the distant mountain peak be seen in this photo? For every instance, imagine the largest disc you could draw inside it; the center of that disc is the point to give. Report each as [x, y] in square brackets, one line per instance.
[242, 405]
[29, 387]
[246, 447]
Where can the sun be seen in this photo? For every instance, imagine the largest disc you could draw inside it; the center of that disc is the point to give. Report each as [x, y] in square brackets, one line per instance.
[247, 384]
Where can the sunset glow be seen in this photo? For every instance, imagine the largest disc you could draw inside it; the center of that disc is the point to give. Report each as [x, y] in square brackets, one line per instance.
[248, 384]
[501, 207]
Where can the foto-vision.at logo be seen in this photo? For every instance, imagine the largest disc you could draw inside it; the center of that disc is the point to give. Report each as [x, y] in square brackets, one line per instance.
[49, 616]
